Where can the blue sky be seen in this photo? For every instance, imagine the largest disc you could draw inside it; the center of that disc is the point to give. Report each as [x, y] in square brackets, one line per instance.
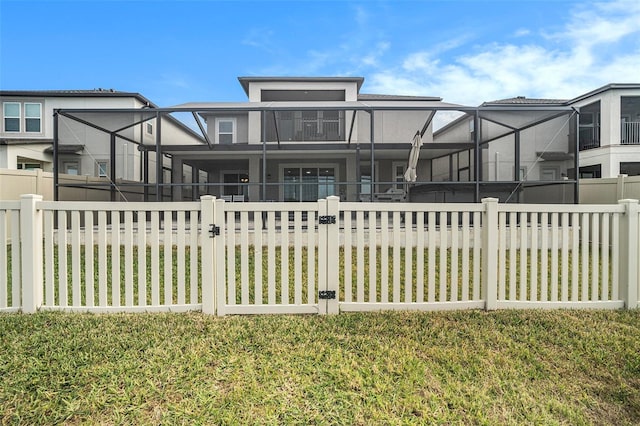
[181, 51]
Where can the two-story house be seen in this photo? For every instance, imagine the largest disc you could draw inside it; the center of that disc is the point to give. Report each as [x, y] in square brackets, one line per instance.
[529, 145]
[28, 128]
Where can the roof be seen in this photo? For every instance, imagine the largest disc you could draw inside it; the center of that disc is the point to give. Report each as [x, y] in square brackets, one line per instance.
[373, 97]
[97, 93]
[611, 86]
[244, 81]
[413, 104]
[522, 100]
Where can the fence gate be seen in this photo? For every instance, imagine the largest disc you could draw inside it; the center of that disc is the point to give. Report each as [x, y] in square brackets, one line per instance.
[272, 257]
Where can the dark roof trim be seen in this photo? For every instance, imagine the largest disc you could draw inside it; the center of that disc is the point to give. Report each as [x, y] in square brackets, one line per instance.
[6, 141]
[374, 97]
[244, 81]
[96, 93]
[611, 86]
[66, 149]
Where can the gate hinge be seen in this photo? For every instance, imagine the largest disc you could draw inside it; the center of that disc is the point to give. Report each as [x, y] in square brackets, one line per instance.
[326, 220]
[326, 294]
[213, 230]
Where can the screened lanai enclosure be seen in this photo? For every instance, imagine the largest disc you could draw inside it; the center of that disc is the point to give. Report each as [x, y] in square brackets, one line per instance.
[304, 151]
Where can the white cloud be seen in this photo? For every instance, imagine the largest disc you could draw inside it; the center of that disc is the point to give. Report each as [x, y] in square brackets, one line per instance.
[522, 32]
[599, 44]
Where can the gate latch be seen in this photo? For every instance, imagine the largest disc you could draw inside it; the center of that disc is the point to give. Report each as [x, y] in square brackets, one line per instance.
[213, 230]
[326, 294]
[326, 220]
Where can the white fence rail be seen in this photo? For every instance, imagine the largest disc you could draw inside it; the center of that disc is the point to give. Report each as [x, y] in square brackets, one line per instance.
[320, 257]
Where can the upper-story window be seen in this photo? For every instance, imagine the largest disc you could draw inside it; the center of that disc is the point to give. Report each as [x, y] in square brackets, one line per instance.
[149, 128]
[225, 130]
[13, 113]
[11, 116]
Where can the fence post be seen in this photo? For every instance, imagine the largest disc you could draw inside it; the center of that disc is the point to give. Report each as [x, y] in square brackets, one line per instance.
[31, 252]
[629, 253]
[209, 266]
[220, 268]
[620, 187]
[333, 253]
[490, 253]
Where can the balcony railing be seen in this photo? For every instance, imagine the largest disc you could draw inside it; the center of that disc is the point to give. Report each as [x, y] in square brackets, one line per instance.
[630, 133]
[305, 126]
[589, 144]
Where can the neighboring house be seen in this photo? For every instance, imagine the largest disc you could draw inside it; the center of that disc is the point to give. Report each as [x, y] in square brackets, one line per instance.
[532, 143]
[27, 132]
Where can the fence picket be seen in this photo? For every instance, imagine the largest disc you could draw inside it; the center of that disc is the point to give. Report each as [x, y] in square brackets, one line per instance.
[502, 256]
[311, 257]
[544, 256]
[257, 248]
[533, 274]
[554, 257]
[76, 296]
[408, 258]
[360, 256]
[347, 250]
[431, 278]
[115, 258]
[585, 256]
[284, 258]
[168, 256]
[575, 256]
[4, 282]
[564, 258]
[62, 259]
[154, 242]
[373, 294]
[128, 258]
[419, 256]
[443, 257]
[477, 243]
[102, 257]
[49, 259]
[595, 255]
[231, 257]
[604, 281]
[297, 257]
[181, 255]
[244, 258]
[396, 257]
[88, 259]
[465, 256]
[513, 249]
[142, 258]
[524, 245]
[454, 257]
[384, 258]
[271, 257]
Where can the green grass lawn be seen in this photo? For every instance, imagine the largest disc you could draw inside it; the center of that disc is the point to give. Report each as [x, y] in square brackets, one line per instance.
[469, 367]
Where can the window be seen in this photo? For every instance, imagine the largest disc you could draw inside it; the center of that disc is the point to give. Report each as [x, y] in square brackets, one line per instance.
[149, 128]
[398, 175]
[32, 114]
[548, 173]
[225, 130]
[13, 113]
[309, 183]
[11, 116]
[236, 183]
[29, 166]
[630, 169]
[71, 168]
[101, 168]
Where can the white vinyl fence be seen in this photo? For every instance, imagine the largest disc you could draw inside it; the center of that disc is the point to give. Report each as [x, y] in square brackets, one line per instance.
[316, 257]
